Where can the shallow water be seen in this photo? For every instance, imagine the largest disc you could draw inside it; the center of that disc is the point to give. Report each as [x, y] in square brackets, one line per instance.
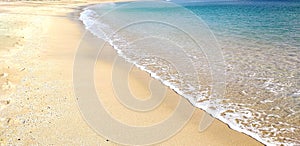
[259, 58]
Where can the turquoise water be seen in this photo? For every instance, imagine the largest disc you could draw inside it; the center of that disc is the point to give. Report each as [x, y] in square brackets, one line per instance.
[276, 23]
[251, 48]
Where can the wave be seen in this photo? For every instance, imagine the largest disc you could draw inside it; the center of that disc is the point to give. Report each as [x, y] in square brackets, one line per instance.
[238, 115]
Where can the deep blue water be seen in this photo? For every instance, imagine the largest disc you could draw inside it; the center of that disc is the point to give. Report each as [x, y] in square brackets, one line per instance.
[271, 21]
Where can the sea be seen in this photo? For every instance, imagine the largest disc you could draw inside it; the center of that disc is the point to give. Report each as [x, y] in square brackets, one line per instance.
[237, 60]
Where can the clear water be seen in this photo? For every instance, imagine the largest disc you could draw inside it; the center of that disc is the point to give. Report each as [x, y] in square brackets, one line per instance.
[260, 43]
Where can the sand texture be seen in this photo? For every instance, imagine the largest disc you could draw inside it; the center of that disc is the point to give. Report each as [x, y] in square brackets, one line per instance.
[37, 103]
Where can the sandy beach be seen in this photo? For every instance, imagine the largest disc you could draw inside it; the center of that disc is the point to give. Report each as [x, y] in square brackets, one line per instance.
[39, 41]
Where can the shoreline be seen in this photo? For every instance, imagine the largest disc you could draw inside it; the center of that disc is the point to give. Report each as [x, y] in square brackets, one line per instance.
[237, 129]
[56, 107]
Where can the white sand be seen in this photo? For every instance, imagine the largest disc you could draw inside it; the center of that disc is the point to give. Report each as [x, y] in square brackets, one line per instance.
[37, 103]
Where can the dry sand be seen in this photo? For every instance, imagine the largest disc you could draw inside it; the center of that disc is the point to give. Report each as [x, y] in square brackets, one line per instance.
[37, 103]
